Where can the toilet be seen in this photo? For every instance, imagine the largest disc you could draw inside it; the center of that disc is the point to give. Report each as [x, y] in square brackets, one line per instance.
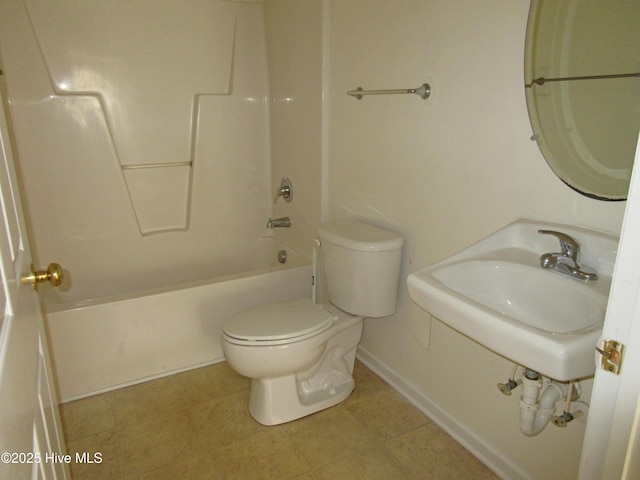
[300, 354]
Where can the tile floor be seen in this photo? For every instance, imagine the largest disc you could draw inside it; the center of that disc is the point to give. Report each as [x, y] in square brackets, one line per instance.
[195, 425]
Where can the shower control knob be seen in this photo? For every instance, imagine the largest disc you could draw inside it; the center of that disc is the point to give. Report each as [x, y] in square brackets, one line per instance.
[53, 274]
[285, 191]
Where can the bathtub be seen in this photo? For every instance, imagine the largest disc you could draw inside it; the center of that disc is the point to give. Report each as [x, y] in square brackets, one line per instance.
[102, 344]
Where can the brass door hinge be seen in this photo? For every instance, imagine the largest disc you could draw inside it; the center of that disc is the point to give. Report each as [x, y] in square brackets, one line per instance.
[611, 354]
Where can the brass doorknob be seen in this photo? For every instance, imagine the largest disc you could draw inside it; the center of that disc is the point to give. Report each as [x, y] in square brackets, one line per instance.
[53, 274]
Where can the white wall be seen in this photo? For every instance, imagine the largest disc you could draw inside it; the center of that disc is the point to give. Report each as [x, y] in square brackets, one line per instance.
[444, 173]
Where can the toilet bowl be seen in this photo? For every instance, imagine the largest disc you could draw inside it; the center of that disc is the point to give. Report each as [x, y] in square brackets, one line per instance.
[300, 354]
[294, 377]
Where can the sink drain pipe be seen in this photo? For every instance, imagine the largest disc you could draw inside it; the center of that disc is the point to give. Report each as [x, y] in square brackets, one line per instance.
[534, 413]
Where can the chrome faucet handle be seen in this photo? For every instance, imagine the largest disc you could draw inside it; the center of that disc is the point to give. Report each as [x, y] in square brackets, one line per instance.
[285, 191]
[569, 246]
[567, 262]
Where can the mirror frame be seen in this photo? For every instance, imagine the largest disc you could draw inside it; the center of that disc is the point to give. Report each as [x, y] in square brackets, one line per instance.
[557, 133]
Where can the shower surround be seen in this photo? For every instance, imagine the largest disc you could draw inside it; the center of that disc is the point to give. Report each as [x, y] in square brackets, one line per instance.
[142, 131]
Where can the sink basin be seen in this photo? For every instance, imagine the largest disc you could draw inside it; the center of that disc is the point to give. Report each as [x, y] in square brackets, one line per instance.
[526, 293]
[496, 293]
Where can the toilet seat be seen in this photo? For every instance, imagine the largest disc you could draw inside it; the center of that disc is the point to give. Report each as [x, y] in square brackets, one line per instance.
[278, 323]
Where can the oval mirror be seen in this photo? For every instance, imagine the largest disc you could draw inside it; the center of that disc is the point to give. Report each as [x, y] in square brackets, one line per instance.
[582, 59]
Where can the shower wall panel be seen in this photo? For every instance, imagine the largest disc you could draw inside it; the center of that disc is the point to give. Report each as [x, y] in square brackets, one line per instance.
[142, 136]
[295, 54]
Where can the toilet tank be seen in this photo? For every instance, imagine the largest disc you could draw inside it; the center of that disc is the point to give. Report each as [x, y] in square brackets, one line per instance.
[362, 267]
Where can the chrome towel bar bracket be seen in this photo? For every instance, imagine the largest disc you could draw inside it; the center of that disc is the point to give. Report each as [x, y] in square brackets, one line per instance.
[423, 91]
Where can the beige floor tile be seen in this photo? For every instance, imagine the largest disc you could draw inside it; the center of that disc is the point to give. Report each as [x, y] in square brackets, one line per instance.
[196, 425]
[388, 413]
[107, 466]
[155, 442]
[87, 416]
[330, 435]
[376, 464]
[308, 476]
[160, 457]
[367, 382]
[154, 429]
[155, 398]
[267, 455]
[225, 419]
[213, 381]
[428, 452]
[189, 466]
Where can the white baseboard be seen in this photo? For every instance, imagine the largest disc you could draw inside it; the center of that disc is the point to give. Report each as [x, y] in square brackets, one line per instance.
[470, 440]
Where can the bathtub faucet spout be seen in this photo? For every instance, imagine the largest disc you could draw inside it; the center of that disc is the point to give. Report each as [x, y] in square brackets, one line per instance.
[279, 222]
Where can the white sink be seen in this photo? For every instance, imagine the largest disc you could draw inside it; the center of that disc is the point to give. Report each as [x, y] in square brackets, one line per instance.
[496, 293]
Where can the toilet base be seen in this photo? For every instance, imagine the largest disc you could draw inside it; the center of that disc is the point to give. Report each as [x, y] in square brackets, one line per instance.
[276, 400]
[279, 400]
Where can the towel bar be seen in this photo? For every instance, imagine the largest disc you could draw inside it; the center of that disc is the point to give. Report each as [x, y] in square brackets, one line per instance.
[424, 91]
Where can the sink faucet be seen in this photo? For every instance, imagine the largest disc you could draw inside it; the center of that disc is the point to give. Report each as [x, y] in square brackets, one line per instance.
[278, 222]
[567, 261]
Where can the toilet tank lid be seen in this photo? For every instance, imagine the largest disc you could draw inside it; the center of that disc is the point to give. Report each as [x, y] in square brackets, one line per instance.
[359, 236]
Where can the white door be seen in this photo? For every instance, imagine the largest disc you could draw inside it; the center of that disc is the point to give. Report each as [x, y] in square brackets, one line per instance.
[31, 444]
[612, 439]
